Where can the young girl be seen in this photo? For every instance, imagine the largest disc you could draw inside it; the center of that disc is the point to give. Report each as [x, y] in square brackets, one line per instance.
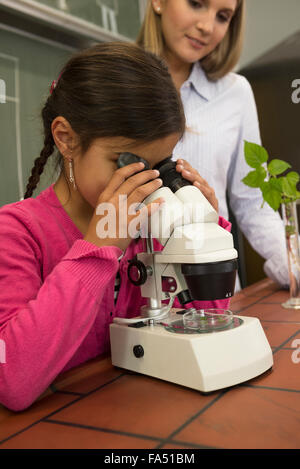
[57, 276]
[200, 41]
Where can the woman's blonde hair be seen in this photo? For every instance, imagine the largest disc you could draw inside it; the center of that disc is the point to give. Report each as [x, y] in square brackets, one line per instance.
[219, 62]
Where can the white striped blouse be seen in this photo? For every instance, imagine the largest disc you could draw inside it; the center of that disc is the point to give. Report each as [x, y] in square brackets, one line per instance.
[220, 116]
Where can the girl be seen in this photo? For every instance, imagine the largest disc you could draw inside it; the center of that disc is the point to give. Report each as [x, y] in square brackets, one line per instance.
[200, 41]
[56, 275]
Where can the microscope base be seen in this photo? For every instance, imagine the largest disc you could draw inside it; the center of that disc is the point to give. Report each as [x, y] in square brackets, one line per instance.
[205, 361]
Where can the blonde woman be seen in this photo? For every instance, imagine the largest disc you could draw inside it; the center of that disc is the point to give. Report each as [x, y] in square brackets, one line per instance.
[201, 42]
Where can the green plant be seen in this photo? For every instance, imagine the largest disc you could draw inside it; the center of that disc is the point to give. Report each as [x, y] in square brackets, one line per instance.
[276, 189]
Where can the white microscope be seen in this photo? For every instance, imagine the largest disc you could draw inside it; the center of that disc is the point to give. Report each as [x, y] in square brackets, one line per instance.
[206, 349]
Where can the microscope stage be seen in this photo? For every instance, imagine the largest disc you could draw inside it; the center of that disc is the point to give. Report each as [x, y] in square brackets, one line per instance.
[203, 361]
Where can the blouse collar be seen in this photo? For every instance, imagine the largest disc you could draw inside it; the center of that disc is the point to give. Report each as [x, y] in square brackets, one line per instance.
[202, 85]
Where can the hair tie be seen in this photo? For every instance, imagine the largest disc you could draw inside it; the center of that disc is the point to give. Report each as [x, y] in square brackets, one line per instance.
[53, 86]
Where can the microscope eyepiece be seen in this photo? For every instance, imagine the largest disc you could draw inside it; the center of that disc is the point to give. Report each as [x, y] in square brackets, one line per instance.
[129, 158]
[170, 177]
[167, 169]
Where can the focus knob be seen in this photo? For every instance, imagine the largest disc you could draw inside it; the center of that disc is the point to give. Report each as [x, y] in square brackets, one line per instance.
[137, 272]
[138, 351]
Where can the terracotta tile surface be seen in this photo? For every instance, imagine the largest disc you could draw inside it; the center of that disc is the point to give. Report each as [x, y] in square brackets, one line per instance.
[272, 312]
[294, 343]
[46, 435]
[277, 297]
[181, 446]
[88, 376]
[261, 289]
[13, 422]
[99, 406]
[137, 404]
[285, 373]
[277, 333]
[241, 302]
[248, 418]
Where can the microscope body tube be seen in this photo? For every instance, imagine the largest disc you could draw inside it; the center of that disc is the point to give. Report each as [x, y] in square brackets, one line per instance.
[185, 207]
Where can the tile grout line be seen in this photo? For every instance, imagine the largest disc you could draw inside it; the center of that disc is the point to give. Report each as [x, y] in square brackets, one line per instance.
[191, 419]
[185, 443]
[58, 391]
[280, 322]
[100, 429]
[60, 409]
[286, 341]
[269, 388]
[70, 393]
[254, 303]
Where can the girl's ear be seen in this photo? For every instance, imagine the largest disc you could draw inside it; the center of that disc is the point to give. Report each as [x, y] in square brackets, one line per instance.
[64, 136]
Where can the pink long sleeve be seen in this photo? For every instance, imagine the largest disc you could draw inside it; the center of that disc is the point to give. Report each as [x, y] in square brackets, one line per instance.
[48, 323]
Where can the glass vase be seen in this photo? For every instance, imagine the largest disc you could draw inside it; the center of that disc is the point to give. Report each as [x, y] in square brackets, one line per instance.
[290, 219]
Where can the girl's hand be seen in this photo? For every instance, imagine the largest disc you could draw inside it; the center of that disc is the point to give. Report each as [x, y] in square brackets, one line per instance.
[134, 186]
[190, 174]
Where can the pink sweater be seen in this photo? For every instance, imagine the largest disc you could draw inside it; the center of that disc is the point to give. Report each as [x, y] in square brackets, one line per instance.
[56, 296]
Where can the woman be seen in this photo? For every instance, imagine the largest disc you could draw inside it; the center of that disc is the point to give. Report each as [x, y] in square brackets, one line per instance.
[201, 40]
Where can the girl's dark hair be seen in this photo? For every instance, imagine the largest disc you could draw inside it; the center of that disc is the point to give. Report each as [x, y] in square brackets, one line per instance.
[111, 90]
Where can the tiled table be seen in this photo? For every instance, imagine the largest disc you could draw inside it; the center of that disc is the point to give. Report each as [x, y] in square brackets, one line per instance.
[99, 406]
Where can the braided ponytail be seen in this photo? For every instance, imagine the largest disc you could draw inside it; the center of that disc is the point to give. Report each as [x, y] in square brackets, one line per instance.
[39, 164]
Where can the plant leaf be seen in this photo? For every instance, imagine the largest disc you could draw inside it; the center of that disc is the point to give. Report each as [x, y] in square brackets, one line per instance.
[289, 187]
[293, 177]
[255, 178]
[276, 167]
[276, 183]
[271, 196]
[255, 155]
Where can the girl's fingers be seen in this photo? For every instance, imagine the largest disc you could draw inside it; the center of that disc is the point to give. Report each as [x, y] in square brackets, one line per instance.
[140, 193]
[192, 177]
[125, 181]
[119, 177]
[189, 173]
[182, 164]
[209, 194]
[137, 184]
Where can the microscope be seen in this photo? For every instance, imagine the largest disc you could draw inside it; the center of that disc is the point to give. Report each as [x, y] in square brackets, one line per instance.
[203, 349]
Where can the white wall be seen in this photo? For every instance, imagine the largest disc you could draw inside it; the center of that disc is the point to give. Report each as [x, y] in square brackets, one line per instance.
[268, 23]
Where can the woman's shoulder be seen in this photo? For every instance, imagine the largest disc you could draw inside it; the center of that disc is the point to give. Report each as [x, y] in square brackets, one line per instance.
[236, 83]
[233, 85]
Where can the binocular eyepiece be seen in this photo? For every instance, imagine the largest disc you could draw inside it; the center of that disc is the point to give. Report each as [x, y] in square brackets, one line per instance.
[167, 169]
